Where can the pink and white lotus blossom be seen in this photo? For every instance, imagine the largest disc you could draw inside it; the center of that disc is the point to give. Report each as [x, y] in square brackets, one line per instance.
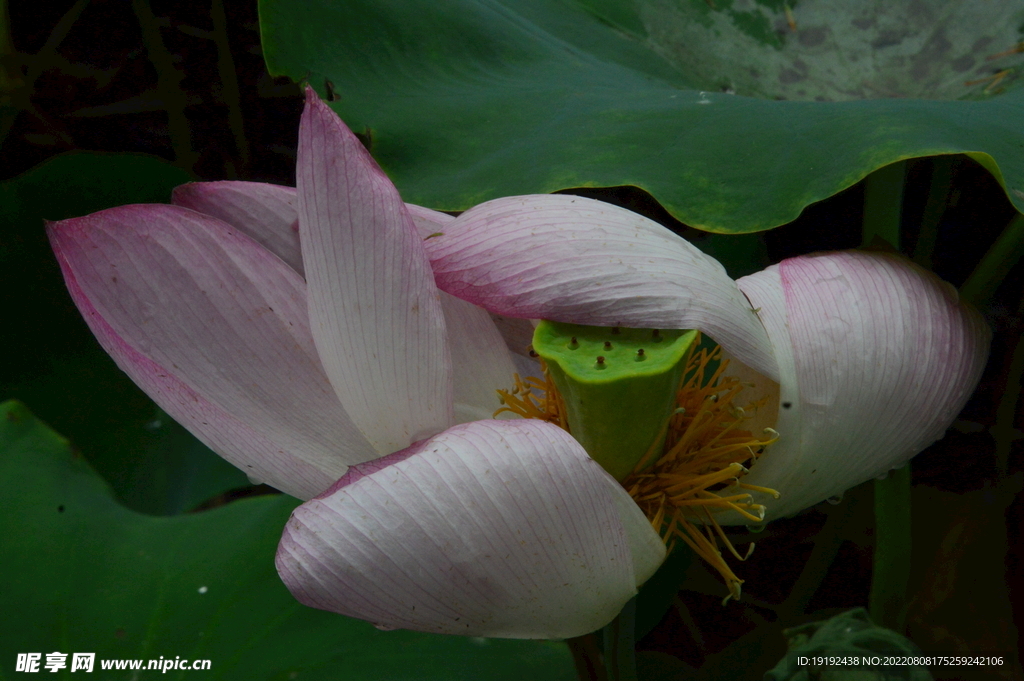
[865, 358]
[336, 343]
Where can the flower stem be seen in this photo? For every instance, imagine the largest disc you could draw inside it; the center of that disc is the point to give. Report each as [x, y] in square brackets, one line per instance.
[883, 205]
[169, 79]
[1003, 431]
[619, 645]
[229, 80]
[891, 573]
[997, 263]
[883, 212]
[938, 198]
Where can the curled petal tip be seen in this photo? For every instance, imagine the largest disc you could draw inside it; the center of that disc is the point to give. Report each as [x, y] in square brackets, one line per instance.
[877, 357]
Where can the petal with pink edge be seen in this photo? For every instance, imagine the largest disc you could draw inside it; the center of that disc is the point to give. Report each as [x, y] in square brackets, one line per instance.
[493, 528]
[572, 259]
[269, 214]
[265, 212]
[481, 360]
[214, 328]
[884, 356]
[374, 308]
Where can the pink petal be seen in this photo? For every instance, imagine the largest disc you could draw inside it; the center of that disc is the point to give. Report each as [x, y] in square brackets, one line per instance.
[214, 328]
[268, 213]
[265, 212]
[481, 360]
[492, 528]
[571, 259]
[374, 309]
[884, 357]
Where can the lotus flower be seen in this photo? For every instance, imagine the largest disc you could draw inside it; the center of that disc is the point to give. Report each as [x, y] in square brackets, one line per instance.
[336, 343]
[864, 358]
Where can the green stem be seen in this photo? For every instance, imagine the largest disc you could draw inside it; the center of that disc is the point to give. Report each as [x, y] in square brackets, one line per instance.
[16, 90]
[883, 212]
[46, 58]
[827, 543]
[938, 197]
[10, 79]
[586, 655]
[229, 80]
[883, 205]
[620, 646]
[168, 85]
[997, 263]
[1003, 431]
[891, 573]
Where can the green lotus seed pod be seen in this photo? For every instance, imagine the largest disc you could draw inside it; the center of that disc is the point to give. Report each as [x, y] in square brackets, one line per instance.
[619, 386]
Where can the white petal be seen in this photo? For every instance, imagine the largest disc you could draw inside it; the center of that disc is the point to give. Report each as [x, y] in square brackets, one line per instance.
[884, 356]
[428, 222]
[374, 308]
[492, 528]
[518, 333]
[571, 259]
[526, 366]
[481, 362]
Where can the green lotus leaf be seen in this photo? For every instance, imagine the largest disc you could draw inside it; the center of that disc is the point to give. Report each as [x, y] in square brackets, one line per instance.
[734, 114]
[82, 573]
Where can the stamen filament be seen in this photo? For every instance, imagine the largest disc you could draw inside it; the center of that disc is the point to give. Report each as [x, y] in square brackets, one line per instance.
[695, 472]
[705, 452]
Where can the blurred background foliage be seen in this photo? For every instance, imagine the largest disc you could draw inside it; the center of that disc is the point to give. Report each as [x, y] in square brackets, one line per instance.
[105, 102]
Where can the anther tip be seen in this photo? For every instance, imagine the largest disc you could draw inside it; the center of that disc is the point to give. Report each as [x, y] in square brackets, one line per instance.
[607, 345]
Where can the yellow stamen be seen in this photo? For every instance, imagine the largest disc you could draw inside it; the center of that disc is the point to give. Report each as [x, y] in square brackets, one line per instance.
[534, 398]
[698, 470]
